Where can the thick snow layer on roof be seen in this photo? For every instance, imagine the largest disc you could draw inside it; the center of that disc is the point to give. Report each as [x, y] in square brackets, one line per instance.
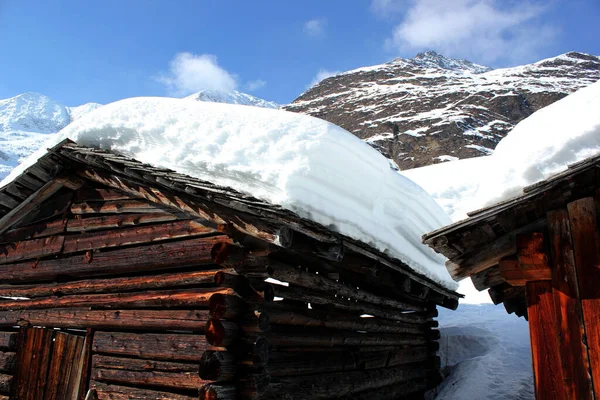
[538, 147]
[305, 164]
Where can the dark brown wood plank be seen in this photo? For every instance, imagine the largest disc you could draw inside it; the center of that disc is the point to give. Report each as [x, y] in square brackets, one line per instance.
[183, 347]
[116, 392]
[48, 228]
[149, 299]
[135, 235]
[155, 257]
[28, 205]
[60, 367]
[91, 224]
[72, 388]
[586, 246]
[158, 320]
[114, 207]
[91, 193]
[544, 332]
[130, 371]
[573, 350]
[112, 285]
[29, 249]
[8, 340]
[517, 274]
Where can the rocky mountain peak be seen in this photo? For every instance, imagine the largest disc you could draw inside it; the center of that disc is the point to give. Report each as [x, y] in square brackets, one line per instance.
[432, 108]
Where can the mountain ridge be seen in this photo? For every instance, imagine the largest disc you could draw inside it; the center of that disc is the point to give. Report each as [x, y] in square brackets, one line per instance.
[431, 108]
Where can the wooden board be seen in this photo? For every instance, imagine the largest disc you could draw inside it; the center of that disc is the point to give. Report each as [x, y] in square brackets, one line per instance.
[586, 246]
[543, 330]
[573, 350]
[33, 364]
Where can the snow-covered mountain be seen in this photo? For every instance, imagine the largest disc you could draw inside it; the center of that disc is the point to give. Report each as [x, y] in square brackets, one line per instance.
[233, 97]
[27, 120]
[431, 108]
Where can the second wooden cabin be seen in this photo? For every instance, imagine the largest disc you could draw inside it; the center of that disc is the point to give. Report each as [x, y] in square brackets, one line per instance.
[124, 281]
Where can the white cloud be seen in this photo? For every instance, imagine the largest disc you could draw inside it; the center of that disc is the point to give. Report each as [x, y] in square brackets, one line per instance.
[315, 27]
[322, 74]
[189, 73]
[481, 30]
[255, 85]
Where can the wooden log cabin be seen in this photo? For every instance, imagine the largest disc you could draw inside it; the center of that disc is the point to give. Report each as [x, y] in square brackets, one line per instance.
[539, 255]
[119, 280]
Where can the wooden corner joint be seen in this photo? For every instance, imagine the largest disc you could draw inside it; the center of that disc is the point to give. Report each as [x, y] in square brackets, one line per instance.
[531, 262]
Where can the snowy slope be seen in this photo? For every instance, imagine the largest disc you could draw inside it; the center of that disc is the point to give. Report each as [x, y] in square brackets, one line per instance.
[486, 353]
[430, 108]
[537, 148]
[306, 165]
[233, 97]
[26, 121]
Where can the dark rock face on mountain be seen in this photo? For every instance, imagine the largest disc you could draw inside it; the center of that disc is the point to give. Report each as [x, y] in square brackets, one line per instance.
[431, 108]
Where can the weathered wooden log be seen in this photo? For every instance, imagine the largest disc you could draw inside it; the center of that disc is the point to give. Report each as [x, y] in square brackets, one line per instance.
[7, 361]
[227, 306]
[335, 385]
[29, 205]
[154, 257]
[116, 392]
[113, 207]
[358, 308]
[167, 319]
[283, 363]
[43, 229]
[253, 385]
[112, 285]
[28, 249]
[215, 391]
[336, 338]
[279, 315]
[220, 333]
[254, 322]
[487, 278]
[220, 366]
[8, 340]
[297, 276]
[243, 287]
[391, 392]
[135, 235]
[91, 193]
[6, 382]
[91, 224]
[151, 299]
[151, 346]
[147, 373]
[251, 350]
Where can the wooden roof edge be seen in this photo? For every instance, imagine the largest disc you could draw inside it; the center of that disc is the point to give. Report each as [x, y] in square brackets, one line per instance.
[531, 191]
[294, 221]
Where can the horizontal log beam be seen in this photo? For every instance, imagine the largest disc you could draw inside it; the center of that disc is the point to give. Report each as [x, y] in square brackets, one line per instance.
[91, 224]
[218, 366]
[154, 257]
[358, 308]
[7, 361]
[42, 229]
[158, 320]
[102, 391]
[149, 299]
[184, 347]
[135, 235]
[300, 277]
[517, 274]
[146, 373]
[29, 249]
[114, 207]
[112, 285]
[6, 383]
[214, 391]
[329, 339]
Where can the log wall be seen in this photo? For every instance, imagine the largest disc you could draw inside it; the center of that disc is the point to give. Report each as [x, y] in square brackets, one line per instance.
[178, 310]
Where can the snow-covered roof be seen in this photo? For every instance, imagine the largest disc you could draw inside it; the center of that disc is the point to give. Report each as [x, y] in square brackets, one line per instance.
[308, 166]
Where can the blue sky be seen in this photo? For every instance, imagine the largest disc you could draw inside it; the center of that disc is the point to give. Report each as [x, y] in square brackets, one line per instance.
[80, 51]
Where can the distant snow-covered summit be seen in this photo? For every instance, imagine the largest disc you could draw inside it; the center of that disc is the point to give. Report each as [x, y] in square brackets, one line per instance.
[430, 108]
[27, 120]
[233, 97]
